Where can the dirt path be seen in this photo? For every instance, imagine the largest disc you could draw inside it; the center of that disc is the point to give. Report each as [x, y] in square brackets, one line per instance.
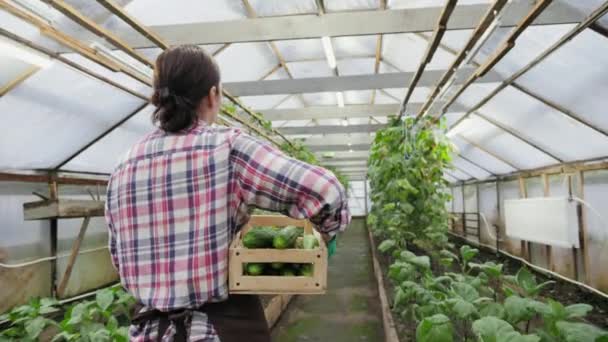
[350, 310]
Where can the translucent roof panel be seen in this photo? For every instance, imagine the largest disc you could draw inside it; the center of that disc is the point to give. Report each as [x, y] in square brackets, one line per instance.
[54, 113]
[429, 3]
[583, 63]
[450, 178]
[530, 44]
[291, 102]
[453, 40]
[308, 69]
[470, 168]
[546, 127]
[262, 102]
[420, 94]
[503, 144]
[301, 49]
[473, 94]
[360, 46]
[292, 123]
[118, 77]
[105, 154]
[356, 66]
[11, 68]
[266, 8]
[260, 60]
[495, 164]
[459, 174]
[320, 99]
[357, 96]
[382, 98]
[162, 12]
[408, 59]
[451, 118]
[350, 5]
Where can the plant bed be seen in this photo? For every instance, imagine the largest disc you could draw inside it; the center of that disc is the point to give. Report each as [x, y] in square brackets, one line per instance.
[540, 299]
[105, 317]
[568, 293]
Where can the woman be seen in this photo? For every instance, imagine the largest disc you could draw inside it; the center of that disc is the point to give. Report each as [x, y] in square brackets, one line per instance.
[179, 196]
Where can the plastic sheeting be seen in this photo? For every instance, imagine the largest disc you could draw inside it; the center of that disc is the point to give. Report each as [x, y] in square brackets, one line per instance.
[54, 113]
[481, 157]
[516, 151]
[104, 155]
[583, 77]
[545, 126]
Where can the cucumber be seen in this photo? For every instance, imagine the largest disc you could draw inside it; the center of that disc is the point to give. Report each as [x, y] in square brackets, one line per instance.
[286, 237]
[288, 272]
[300, 243]
[259, 237]
[310, 242]
[306, 270]
[276, 265]
[255, 269]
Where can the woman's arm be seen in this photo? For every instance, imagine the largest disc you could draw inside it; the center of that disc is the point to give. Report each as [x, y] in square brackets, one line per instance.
[268, 179]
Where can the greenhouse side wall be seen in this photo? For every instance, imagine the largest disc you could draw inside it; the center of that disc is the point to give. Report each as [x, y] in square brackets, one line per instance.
[584, 264]
[26, 242]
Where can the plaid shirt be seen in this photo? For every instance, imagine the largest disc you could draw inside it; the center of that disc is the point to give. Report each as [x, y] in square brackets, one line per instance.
[175, 202]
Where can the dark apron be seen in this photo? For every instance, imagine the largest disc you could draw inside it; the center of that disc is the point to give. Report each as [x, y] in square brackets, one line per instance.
[239, 318]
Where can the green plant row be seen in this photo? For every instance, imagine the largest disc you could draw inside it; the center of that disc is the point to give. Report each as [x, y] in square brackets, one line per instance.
[447, 295]
[105, 318]
[301, 152]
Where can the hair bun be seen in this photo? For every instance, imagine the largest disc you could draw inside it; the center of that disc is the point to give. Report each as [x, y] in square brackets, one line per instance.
[183, 77]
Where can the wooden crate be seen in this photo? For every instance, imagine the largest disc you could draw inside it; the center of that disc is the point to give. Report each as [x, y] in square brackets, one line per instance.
[244, 284]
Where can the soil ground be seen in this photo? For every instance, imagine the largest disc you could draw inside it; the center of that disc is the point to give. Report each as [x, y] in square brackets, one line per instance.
[350, 310]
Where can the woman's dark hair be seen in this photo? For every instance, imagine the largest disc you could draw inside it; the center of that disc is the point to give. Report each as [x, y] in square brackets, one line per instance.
[182, 78]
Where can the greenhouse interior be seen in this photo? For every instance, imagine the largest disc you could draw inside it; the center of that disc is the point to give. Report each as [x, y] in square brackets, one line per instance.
[451, 126]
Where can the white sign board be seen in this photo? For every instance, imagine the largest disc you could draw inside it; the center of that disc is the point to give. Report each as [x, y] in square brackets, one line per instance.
[550, 221]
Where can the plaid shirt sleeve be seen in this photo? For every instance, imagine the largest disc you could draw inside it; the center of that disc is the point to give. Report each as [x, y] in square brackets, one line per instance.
[268, 179]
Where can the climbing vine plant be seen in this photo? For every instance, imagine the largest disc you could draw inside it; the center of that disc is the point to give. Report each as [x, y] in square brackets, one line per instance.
[408, 191]
[299, 151]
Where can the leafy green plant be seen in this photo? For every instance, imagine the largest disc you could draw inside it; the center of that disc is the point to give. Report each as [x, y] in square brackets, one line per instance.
[104, 319]
[492, 329]
[301, 152]
[526, 281]
[408, 191]
[27, 321]
[436, 328]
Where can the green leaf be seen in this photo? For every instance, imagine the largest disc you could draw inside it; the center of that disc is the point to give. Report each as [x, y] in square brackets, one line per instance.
[490, 268]
[387, 245]
[407, 255]
[463, 309]
[578, 310]
[517, 309]
[493, 309]
[34, 327]
[105, 298]
[112, 323]
[465, 291]
[467, 253]
[436, 328]
[515, 336]
[421, 261]
[580, 332]
[78, 313]
[488, 328]
[400, 297]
